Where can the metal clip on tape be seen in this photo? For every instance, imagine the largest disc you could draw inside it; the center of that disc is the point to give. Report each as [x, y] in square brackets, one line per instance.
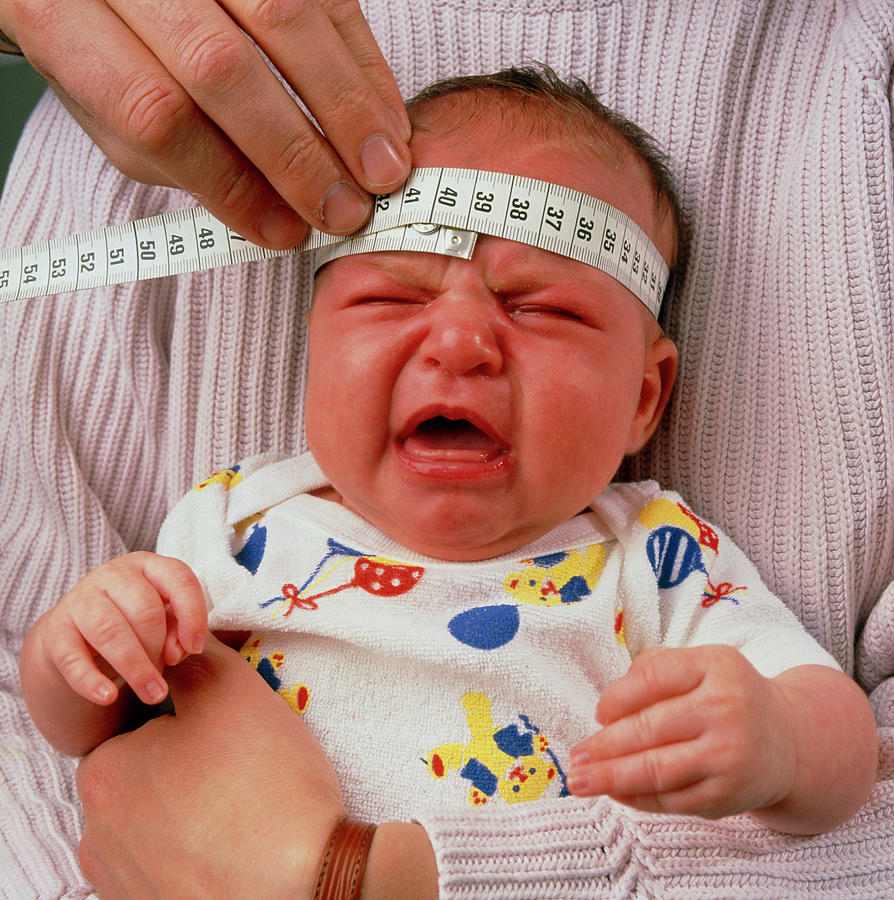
[436, 211]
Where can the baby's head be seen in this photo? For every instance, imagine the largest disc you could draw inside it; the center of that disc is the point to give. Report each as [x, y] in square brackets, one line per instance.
[533, 104]
[466, 407]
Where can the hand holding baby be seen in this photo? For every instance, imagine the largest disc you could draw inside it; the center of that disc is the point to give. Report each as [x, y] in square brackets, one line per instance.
[235, 795]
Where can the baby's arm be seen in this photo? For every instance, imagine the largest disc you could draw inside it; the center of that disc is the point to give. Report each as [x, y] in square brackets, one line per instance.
[128, 619]
[699, 730]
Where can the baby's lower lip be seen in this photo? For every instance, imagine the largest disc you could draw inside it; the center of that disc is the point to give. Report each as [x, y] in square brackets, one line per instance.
[482, 452]
[453, 463]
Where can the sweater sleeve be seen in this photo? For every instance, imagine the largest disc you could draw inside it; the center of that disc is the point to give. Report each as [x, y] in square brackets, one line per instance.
[601, 850]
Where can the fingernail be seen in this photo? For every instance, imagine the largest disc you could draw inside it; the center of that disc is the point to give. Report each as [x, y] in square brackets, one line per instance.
[281, 226]
[198, 644]
[578, 757]
[105, 693]
[577, 781]
[155, 691]
[344, 209]
[381, 162]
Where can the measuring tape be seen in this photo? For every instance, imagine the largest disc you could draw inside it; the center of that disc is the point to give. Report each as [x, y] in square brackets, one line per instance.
[439, 210]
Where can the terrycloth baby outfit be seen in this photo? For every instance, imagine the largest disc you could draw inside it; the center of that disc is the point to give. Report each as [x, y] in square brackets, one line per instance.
[433, 683]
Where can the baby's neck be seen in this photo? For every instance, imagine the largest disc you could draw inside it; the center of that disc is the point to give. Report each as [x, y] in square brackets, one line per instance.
[328, 493]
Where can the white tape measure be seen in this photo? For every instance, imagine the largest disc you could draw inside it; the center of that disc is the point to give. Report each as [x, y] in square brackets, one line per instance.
[437, 210]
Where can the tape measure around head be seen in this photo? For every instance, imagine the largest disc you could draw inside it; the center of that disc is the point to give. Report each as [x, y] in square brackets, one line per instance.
[462, 203]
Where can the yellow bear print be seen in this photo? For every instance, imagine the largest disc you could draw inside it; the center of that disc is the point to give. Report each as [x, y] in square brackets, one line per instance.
[557, 578]
[297, 696]
[229, 478]
[514, 760]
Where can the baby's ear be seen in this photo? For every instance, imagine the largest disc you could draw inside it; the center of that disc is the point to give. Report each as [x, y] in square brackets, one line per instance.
[659, 372]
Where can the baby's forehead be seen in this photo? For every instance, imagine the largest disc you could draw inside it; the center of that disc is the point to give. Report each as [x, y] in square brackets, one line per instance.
[506, 260]
[508, 116]
[596, 146]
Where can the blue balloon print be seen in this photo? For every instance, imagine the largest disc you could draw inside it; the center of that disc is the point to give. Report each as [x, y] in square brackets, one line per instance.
[251, 554]
[674, 555]
[485, 627]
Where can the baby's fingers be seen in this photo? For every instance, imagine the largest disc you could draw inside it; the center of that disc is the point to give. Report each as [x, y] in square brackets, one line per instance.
[101, 628]
[658, 771]
[661, 724]
[654, 675]
[74, 660]
[184, 603]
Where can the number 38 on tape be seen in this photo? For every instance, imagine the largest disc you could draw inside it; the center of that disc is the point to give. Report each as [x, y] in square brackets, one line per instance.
[437, 210]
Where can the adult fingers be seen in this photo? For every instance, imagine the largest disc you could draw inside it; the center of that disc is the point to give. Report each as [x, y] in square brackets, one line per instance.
[124, 158]
[222, 72]
[348, 18]
[342, 78]
[89, 53]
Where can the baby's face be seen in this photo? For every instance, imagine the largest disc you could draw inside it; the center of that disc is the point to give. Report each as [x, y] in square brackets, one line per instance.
[466, 407]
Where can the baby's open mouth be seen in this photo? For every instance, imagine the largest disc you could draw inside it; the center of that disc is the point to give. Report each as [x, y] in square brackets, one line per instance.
[456, 440]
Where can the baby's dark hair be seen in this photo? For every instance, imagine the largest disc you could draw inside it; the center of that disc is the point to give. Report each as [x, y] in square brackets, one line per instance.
[561, 102]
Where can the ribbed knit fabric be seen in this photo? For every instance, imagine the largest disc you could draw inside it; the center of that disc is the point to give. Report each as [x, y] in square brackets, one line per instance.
[777, 118]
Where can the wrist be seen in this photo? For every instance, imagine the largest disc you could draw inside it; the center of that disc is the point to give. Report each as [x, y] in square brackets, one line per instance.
[401, 864]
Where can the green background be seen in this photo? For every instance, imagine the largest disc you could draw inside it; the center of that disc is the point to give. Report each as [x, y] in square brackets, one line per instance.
[20, 88]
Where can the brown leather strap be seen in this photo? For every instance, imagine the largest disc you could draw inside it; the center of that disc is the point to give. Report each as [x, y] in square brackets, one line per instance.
[343, 863]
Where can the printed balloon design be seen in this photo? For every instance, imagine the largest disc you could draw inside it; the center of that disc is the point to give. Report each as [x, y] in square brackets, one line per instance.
[373, 574]
[485, 627]
[674, 555]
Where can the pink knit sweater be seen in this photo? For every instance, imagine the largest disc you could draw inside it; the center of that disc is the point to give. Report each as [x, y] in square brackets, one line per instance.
[777, 118]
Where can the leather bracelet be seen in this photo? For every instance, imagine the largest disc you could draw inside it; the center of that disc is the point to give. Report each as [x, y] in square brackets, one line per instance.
[343, 863]
[9, 46]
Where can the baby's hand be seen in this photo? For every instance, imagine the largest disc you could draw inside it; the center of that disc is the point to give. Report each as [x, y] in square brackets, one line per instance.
[694, 730]
[138, 613]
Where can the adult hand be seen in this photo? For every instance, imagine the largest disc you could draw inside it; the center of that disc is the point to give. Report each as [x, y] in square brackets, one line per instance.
[232, 797]
[175, 93]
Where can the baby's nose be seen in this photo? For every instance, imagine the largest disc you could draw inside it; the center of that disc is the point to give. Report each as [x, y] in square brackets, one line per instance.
[462, 336]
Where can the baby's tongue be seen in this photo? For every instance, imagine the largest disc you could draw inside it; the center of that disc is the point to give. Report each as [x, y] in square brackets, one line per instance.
[459, 440]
